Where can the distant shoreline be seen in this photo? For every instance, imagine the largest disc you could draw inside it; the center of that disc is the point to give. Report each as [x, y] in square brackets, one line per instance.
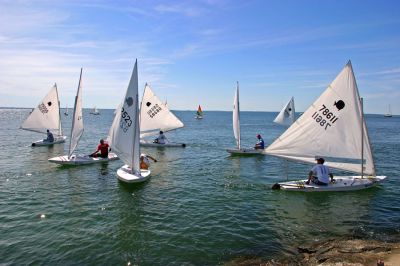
[89, 108]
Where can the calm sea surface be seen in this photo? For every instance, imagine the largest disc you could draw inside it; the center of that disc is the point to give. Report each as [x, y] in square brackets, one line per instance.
[200, 206]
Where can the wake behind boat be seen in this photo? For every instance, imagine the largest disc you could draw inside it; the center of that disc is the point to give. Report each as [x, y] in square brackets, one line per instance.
[333, 127]
[236, 130]
[46, 116]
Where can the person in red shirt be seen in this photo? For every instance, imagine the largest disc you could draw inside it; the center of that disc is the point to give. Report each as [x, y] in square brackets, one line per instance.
[103, 148]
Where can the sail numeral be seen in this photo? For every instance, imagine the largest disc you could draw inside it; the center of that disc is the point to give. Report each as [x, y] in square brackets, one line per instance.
[43, 108]
[326, 118]
[154, 110]
[126, 121]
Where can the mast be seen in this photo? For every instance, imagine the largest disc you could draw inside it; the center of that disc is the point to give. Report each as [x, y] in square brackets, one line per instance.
[59, 112]
[362, 137]
[73, 117]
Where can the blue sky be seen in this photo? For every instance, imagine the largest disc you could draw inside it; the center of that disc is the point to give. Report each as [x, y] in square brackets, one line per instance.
[193, 52]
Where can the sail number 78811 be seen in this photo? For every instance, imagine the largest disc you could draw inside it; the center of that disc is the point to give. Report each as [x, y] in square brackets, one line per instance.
[324, 117]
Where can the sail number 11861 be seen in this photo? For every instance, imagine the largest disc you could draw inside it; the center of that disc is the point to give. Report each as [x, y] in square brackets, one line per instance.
[324, 117]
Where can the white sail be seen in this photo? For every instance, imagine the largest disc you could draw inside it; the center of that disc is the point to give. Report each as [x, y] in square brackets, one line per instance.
[332, 127]
[155, 115]
[236, 117]
[287, 114]
[46, 115]
[124, 133]
[77, 120]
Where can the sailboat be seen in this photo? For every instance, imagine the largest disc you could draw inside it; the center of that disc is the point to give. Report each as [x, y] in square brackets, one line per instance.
[124, 135]
[95, 111]
[389, 113]
[76, 134]
[155, 117]
[286, 116]
[46, 116]
[333, 127]
[236, 129]
[66, 111]
[199, 113]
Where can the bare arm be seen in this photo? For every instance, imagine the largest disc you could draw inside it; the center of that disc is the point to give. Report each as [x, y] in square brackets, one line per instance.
[152, 158]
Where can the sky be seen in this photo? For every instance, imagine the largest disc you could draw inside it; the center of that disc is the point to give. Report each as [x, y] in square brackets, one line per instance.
[193, 52]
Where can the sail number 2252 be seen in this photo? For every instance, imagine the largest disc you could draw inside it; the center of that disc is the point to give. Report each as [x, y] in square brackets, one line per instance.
[324, 117]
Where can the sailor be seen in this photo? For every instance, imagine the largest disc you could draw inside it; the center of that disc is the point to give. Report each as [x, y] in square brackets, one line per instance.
[50, 137]
[145, 162]
[161, 139]
[320, 173]
[103, 148]
[260, 143]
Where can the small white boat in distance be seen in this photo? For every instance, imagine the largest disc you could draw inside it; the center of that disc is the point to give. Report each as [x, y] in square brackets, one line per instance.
[95, 111]
[124, 134]
[389, 113]
[199, 113]
[46, 116]
[323, 131]
[155, 116]
[286, 116]
[76, 134]
[236, 130]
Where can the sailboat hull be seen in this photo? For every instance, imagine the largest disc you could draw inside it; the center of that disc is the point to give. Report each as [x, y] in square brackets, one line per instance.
[82, 160]
[125, 175]
[144, 143]
[342, 183]
[244, 151]
[57, 140]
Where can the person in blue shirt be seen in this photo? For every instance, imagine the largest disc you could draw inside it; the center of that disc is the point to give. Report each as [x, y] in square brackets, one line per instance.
[260, 143]
[50, 137]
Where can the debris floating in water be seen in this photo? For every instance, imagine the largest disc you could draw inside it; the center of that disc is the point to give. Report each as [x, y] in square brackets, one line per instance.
[129, 263]
[42, 216]
[28, 174]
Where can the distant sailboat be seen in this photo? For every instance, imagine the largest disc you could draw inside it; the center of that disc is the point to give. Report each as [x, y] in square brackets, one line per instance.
[95, 111]
[287, 114]
[333, 127]
[46, 117]
[389, 113]
[236, 129]
[199, 113]
[124, 134]
[76, 134]
[66, 111]
[155, 117]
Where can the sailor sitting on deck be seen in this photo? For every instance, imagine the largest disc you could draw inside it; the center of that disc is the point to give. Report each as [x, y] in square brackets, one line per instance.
[103, 148]
[161, 139]
[50, 137]
[145, 162]
[260, 143]
[320, 174]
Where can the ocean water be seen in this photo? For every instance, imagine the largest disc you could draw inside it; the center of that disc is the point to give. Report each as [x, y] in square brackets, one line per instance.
[200, 207]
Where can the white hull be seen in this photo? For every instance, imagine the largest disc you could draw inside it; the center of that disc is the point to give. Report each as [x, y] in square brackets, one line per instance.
[125, 175]
[57, 140]
[342, 183]
[170, 144]
[82, 160]
[387, 115]
[198, 117]
[244, 151]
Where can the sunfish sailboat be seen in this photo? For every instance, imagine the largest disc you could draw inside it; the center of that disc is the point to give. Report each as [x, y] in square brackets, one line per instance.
[155, 117]
[124, 134]
[333, 127]
[46, 116]
[286, 116]
[389, 113]
[95, 111]
[76, 134]
[236, 129]
[199, 113]
[66, 111]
